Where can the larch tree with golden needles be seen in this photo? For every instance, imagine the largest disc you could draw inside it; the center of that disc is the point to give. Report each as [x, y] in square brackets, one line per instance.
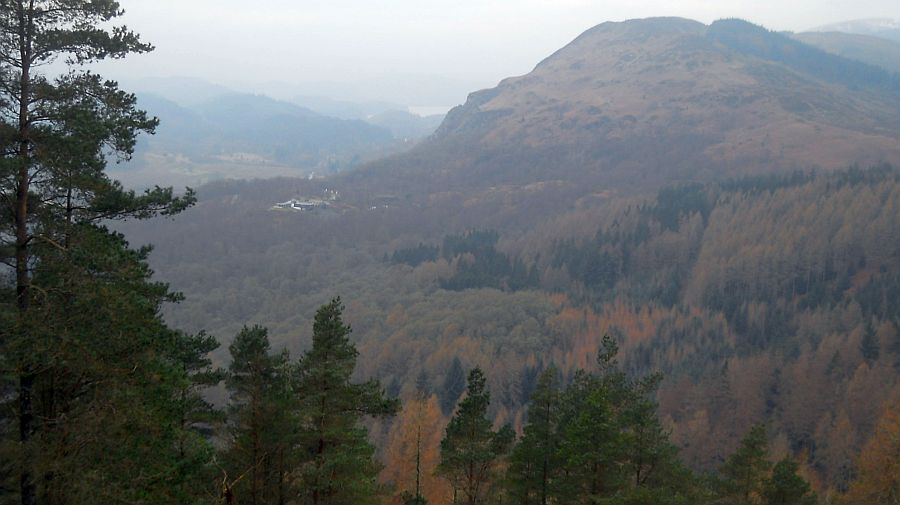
[413, 452]
[879, 465]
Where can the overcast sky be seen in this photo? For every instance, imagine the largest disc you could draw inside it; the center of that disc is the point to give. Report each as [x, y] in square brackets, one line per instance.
[245, 43]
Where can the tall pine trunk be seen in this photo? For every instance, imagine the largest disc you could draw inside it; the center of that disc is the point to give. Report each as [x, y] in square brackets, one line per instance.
[23, 282]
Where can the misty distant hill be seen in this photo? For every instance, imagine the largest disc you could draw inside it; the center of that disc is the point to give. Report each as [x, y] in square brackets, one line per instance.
[405, 125]
[880, 27]
[185, 91]
[344, 109]
[285, 132]
[246, 136]
[237, 135]
[402, 89]
[644, 102]
[881, 52]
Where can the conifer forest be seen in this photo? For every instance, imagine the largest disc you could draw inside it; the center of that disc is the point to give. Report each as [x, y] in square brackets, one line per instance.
[661, 268]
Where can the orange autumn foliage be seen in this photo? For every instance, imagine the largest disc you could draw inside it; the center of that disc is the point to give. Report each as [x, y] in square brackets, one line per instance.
[879, 464]
[420, 419]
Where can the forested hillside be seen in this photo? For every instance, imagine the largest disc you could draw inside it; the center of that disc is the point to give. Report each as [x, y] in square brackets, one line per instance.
[662, 268]
[692, 191]
[760, 299]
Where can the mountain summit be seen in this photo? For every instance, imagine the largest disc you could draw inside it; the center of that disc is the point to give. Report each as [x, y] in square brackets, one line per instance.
[654, 100]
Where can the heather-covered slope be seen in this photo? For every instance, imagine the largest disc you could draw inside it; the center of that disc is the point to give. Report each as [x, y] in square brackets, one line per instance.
[644, 102]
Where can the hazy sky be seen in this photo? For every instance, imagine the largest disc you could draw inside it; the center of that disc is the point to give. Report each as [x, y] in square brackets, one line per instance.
[479, 42]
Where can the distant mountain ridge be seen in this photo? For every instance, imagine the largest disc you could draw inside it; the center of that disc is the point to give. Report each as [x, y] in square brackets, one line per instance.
[249, 130]
[209, 132]
[877, 27]
[645, 102]
[877, 51]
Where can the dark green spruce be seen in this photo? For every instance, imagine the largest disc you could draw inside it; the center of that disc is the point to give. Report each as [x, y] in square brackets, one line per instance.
[787, 487]
[535, 462]
[261, 425]
[743, 476]
[471, 451]
[339, 465]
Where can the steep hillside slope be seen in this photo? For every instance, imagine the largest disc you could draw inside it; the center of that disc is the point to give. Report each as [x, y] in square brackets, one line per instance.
[645, 102]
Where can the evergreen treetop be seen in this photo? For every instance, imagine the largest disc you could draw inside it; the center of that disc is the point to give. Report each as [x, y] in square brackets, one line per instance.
[471, 450]
[341, 466]
[93, 365]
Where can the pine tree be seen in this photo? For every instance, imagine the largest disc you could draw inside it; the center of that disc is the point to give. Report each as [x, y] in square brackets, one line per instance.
[650, 455]
[471, 450]
[95, 368]
[612, 445]
[261, 425]
[592, 444]
[339, 466]
[869, 345]
[453, 387]
[744, 473]
[196, 415]
[423, 384]
[786, 487]
[199, 374]
[109, 400]
[534, 463]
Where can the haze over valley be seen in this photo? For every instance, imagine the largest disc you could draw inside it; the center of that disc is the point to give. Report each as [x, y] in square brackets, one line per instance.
[658, 264]
[685, 187]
